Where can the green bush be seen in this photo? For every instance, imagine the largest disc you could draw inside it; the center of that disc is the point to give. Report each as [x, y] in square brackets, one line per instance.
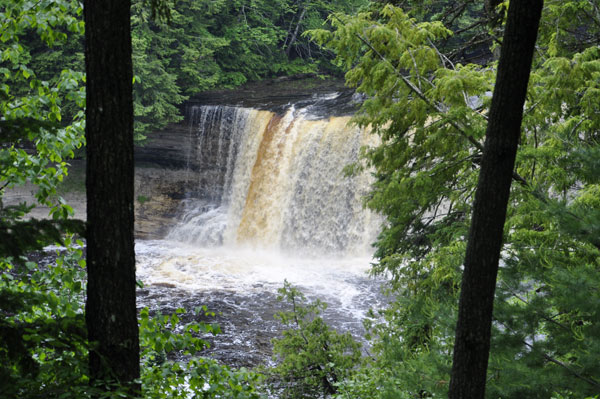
[312, 358]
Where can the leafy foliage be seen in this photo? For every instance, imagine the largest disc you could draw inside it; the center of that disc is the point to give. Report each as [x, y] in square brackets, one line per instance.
[32, 118]
[161, 337]
[44, 345]
[31, 105]
[42, 327]
[312, 357]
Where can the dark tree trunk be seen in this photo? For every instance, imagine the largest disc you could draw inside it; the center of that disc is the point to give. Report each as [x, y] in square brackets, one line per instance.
[472, 344]
[110, 308]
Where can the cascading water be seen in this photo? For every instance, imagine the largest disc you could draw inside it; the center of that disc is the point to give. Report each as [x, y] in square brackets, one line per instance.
[266, 200]
[275, 181]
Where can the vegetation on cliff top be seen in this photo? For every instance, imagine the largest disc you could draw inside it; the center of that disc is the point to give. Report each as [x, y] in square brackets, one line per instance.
[203, 45]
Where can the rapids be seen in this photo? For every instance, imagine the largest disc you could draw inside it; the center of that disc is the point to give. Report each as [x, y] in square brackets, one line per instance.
[266, 199]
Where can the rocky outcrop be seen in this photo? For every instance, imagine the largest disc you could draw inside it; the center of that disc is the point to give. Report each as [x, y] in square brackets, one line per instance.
[158, 199]
[278, 94]
[165, 148]
[158, 196]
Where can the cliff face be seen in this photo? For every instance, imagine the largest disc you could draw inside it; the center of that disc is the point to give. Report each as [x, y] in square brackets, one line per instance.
[158, 197]
[277, 94]
[160, 180]
[156, 205]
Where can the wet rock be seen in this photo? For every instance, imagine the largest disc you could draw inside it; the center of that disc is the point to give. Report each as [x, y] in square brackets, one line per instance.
[278, 94]
[157, 193]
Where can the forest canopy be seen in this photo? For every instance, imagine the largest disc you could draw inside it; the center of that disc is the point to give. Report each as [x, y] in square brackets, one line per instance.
[201, 45]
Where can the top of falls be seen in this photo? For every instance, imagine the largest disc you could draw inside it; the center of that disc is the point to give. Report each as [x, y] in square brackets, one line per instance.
[322, 98]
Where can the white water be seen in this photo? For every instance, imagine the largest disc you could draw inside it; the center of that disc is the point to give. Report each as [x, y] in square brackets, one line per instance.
[341, 282]
[276, 183]
[268, 201]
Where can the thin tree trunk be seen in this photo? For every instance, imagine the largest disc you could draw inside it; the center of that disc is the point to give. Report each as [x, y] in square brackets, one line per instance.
[472, 343]
[110, 307]
[295, 34]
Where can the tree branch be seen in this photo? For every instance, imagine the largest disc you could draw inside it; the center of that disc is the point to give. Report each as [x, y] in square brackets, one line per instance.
[556, 361]
[516, 177]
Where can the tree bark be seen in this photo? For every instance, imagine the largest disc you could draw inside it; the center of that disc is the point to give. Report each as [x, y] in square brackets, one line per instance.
[295, 34]
[111, 316]
[472, 342]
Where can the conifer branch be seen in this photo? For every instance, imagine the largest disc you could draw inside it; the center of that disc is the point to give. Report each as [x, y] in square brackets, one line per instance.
[556, 361]
[541, 315]
[518, 178]
[523, 182]
[421, 95]
[561, 364]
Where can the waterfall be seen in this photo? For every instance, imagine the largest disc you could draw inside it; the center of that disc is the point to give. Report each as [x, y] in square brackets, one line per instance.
[275, 181]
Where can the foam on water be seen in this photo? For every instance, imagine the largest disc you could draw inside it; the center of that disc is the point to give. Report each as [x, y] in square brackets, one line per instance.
[250, 271]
